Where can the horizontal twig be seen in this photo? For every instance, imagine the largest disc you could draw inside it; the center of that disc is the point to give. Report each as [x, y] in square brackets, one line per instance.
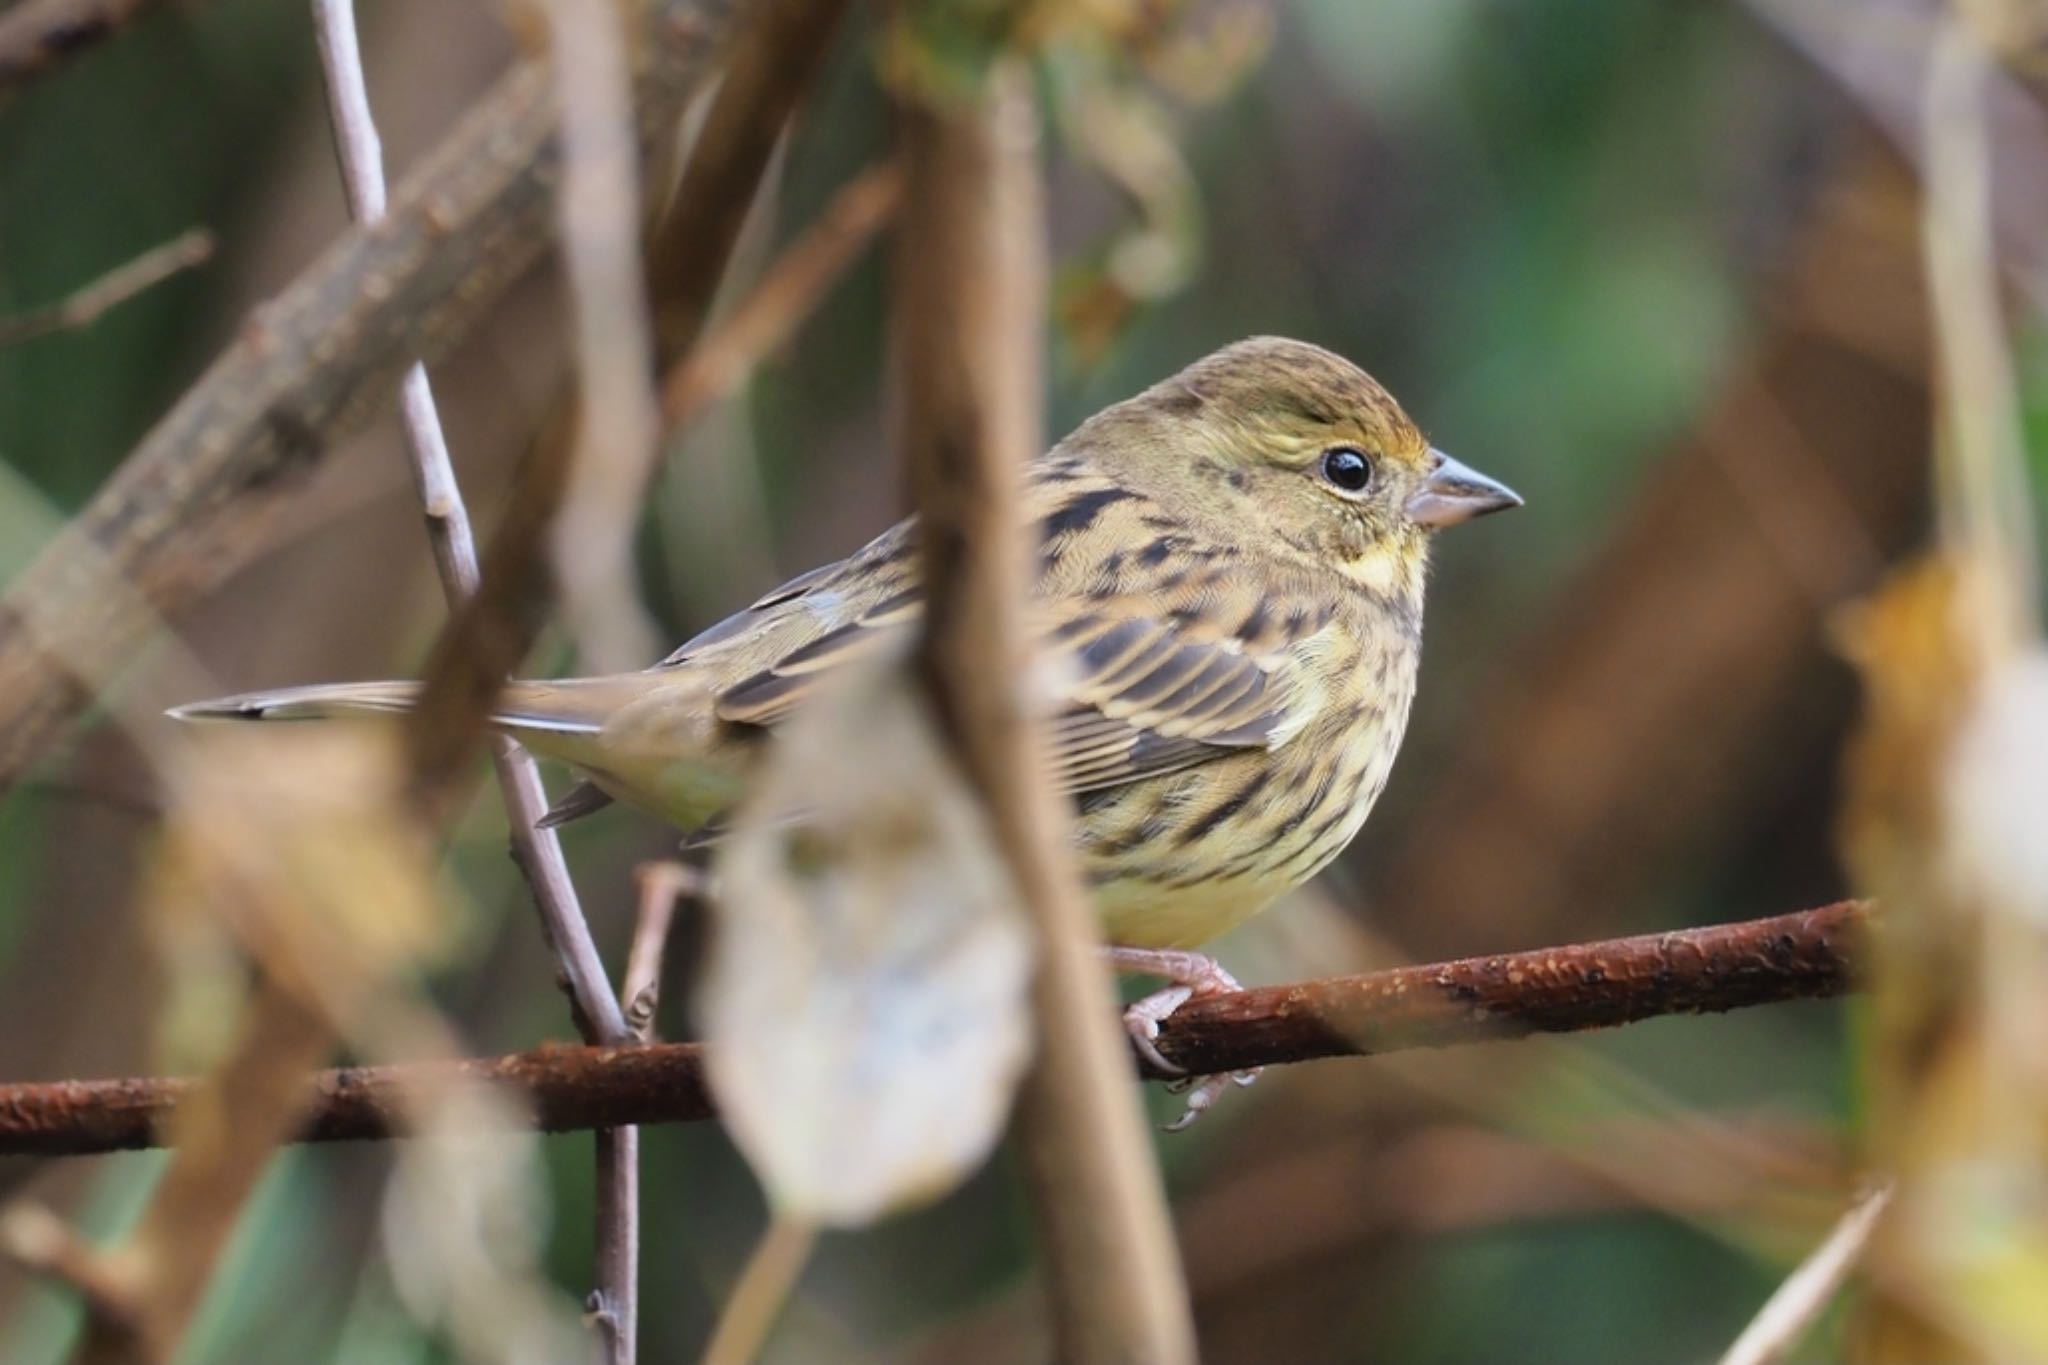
[1812, 954]
[567, 1087]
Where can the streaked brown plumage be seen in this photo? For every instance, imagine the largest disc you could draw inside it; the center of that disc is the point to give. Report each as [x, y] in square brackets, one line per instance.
[1232, 629]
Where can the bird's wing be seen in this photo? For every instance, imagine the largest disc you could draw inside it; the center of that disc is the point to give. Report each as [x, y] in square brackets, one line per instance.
[1164, 651]
[770, 655]
[1152, 688]
[779, 624]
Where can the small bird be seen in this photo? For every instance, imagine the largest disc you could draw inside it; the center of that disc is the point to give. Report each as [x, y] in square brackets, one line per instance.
[1230, 583]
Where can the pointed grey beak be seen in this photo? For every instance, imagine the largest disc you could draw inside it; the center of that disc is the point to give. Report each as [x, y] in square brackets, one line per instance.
[1454, 492]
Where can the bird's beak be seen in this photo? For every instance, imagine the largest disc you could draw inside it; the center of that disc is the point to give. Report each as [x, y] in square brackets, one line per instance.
[1454, 492]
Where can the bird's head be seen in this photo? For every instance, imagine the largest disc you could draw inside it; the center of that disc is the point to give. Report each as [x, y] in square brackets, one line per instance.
[1296, 448]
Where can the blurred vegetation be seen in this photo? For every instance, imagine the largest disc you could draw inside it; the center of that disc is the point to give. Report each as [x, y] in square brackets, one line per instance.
[1554, 230]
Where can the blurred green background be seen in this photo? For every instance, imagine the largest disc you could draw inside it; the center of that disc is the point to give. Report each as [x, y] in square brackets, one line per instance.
[1578, 240]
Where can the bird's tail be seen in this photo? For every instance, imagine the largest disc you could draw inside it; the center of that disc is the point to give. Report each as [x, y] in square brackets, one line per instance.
[663, 755]
[321, 701]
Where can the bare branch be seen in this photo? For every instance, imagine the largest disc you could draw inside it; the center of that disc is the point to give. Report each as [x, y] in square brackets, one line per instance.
[1808, 955]
[615, 1303]
[199, 497]
[110, 290]
[568, 1088]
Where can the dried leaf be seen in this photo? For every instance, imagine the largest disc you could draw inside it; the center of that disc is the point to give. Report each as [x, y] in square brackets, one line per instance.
[865, 992]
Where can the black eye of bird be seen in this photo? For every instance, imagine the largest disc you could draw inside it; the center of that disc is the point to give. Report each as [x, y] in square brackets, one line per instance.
[1347, 468]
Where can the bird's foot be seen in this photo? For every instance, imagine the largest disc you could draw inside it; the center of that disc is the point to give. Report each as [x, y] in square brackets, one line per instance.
[1195, 976]
[1204, 1091]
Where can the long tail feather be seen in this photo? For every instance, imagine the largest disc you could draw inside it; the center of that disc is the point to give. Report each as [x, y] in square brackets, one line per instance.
[571, 706]
[646, 736]
[318, 702]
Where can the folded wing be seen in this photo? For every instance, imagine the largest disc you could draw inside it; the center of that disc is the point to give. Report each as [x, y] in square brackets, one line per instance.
[1163, 656]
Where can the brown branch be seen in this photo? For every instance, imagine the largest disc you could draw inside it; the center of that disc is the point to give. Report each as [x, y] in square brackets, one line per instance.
[568, 1088]
[111, 290]
[37, 35]
[969, 304]
[200, 496]
[1808, 955]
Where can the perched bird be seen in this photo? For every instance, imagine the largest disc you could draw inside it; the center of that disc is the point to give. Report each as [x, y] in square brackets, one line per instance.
[1230, 582]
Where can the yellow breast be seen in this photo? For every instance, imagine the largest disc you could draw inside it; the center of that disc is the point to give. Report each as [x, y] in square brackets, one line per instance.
[1177, 860]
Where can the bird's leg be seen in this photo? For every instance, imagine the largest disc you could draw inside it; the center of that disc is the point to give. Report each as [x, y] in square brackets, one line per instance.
[1194, 976]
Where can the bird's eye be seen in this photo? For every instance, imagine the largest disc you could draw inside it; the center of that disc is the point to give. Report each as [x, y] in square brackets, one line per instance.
[1347, 468]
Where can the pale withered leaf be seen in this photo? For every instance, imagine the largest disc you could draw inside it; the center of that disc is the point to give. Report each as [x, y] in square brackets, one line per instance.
[865, 994]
